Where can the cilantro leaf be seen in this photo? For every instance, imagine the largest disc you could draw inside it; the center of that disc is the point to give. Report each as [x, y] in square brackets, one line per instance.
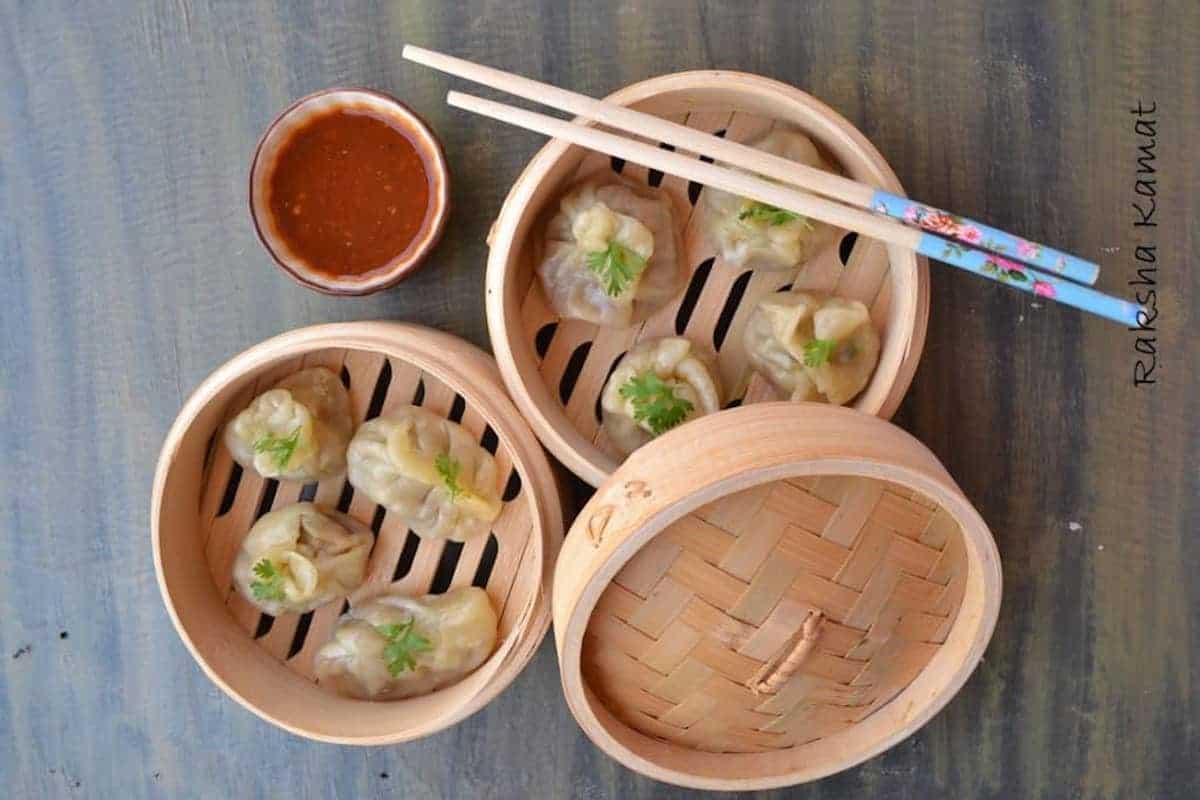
[449, 469]
[818, 351]
[771, 215]
[403, 643]
[616, 266]
[271, 585]
[654, 402]
[280, 449]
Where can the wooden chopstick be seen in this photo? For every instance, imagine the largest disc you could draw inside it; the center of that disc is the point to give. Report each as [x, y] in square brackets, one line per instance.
[886, 230]
[969, 232]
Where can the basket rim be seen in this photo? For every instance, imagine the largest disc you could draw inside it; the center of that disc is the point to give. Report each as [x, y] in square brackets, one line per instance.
[418, 345]
[574, 601]
[502, 239]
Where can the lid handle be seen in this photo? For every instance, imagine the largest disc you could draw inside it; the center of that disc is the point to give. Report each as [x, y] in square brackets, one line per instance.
[775, 673]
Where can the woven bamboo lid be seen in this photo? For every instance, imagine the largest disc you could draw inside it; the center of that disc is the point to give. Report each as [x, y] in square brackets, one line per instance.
[769, 595]
[204, 504]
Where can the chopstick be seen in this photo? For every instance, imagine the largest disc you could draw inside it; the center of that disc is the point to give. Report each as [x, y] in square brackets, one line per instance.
[966, 231]
[887, 230]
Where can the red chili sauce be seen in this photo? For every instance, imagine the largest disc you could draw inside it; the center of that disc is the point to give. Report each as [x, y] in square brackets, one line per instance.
[349, 191]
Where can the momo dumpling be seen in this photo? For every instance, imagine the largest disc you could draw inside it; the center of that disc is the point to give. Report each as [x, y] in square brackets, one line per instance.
[613, 253]
[428, 471]
[749, 233]
[298, 430]
[300, 557]
[813, 346]
[656, 386]
[394, 647]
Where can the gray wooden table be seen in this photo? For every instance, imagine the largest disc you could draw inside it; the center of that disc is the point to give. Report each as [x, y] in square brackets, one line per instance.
[130, 270]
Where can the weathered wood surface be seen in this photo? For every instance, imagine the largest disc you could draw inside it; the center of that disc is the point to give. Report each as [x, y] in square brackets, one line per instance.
[130, 271]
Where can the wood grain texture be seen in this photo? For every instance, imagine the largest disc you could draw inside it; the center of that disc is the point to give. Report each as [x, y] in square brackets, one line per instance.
[131, 270]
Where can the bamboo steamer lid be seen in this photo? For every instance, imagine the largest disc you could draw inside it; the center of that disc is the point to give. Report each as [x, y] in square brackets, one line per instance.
[204, 504]
[771, 594]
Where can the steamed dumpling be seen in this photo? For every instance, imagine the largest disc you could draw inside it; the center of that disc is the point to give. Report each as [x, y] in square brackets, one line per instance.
[298, 430]
[613, 253]
[428, 471]
[395, 647]
[656, 386]
[300, 557]
[750, 233]
[813, 346]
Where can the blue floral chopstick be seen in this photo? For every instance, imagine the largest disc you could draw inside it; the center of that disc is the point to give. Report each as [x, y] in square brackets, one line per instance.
[826, 184]
[976, 234]
[840, 202]
[1028, 279]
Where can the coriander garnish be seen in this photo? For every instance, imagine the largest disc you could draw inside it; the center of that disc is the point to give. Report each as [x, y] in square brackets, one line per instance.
[654, 402]
[279, 448]
[403, 643]
[818, 351]
[616, 266]
[271, 585]
[449, 468]
[772, 215]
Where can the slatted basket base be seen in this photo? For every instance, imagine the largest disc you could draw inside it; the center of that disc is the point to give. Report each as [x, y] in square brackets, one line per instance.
[769, 595]
[556, 368]
[383, 365]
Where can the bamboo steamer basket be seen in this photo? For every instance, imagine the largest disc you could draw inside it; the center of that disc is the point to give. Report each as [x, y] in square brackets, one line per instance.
[555, 369]
[204, 504]
[771, 594]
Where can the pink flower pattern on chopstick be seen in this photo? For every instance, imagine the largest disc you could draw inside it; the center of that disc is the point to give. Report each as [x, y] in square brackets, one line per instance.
[953, 227]
[1028, 279]
[1007, 271]
[1028, 250]
[944, 224]
[958, 235]
[1044, 289]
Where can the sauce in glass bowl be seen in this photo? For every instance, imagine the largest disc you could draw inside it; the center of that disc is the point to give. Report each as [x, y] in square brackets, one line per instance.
[348, 191]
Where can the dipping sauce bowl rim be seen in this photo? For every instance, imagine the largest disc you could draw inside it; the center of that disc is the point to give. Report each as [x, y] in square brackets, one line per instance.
[433, 158]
